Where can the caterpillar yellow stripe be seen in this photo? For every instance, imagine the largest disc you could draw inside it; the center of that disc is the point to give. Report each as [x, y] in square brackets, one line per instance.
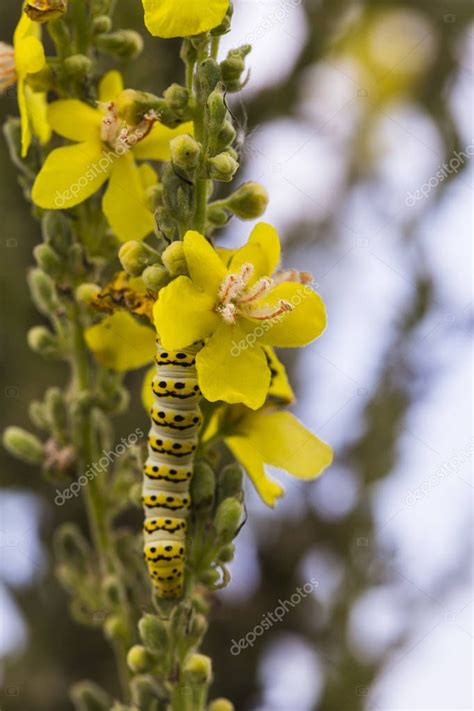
[172, 443]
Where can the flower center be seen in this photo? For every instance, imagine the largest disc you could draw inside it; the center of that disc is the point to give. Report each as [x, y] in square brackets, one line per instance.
[238, 297]
[7, 66]
[118, 134]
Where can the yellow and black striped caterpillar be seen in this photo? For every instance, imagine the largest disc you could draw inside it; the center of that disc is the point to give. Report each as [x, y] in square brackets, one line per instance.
[172, 442]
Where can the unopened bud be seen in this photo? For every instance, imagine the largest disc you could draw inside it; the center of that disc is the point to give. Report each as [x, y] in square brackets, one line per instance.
[208, 77]
[231, 482]
[139, 659]
[23, 445]
[43, 292]
[38, 415]
[136, 256]
[56, 408]
[226, 136]
[197, 629]
[227, 520]
[203, 487]
[45, 10]
[115, 629]
[177, 96]
[113, 590]
[198, 669]
[87, 292]
[174, 259]
[78, 66]
[185, 152]
[223, 167]
[249, 201]
[101, 24]
[217, 111]
[56, 231]
[48, 260]
[87, 696]
[233, 66]
[221, 705]
[42, 341]
[227, 553]
[124, 43]
[217, 216]
[155, 277]
[153, 633]
[70, 545]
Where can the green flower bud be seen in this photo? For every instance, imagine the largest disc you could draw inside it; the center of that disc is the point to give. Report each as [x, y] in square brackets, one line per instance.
[221, 705]
[217, 111]
[155, 277]
[177, 97]
[227, 553]
[115, 629]
[87, 696]
[166, 225]
[45, 10]
[56, 231]
[217, 216]
[188, 52]
[233, 67]
[71, 547]
[146, 692]
[210, 578]
[42, 341]
[227, 521]
[38, 415]
[203, 487]
[154, 634]
[56, 409]
[78, 66]
[249, 201]
[101, 24]
[136, 256]
[208, 77]
[42, 291]
[174, 259]
[113, 590]
[23, 445]
[124, 43]
[197, 629]
[178, 193]
[226, 136]
[139, 659]
[86, 293]
[198, 669]
[222, 167]
[185, 152]
[48, 260]
[231, 481]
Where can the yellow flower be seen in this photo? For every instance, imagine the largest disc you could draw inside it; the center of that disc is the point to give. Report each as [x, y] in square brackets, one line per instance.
[26, 57]
[270, 437]
[121, 343]
[170, 18]
[106, 150]
[237, 310]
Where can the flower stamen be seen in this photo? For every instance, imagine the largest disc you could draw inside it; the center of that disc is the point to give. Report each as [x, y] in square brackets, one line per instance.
[266, 315]
[7, 66]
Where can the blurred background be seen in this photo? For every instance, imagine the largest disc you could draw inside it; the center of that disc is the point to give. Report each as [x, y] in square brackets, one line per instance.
[358, 120]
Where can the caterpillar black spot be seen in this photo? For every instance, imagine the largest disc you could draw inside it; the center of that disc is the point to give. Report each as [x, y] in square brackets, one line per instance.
[172, 442]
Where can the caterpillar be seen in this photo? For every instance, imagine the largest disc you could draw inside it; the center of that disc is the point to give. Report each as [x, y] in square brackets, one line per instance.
[172, 442]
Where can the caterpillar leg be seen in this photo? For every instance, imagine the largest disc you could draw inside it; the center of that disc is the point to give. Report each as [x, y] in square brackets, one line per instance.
[172, 442]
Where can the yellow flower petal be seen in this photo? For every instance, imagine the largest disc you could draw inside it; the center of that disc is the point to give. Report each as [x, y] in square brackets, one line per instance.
[121, 343]
[298, 327]
[280, 387]
[231, 373]
[225, 255]
[37, 109]
[262, 250]
[281, 440]
[250, 458]
[124, 203]
[74, 119]
[24, 118]
[205, 266]
[147, 394]
[148, 176]
[156, 146]
[168, 18]
[70, 175]
[26, 28]
[111, 85]
[183, 314]
[29, 55]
